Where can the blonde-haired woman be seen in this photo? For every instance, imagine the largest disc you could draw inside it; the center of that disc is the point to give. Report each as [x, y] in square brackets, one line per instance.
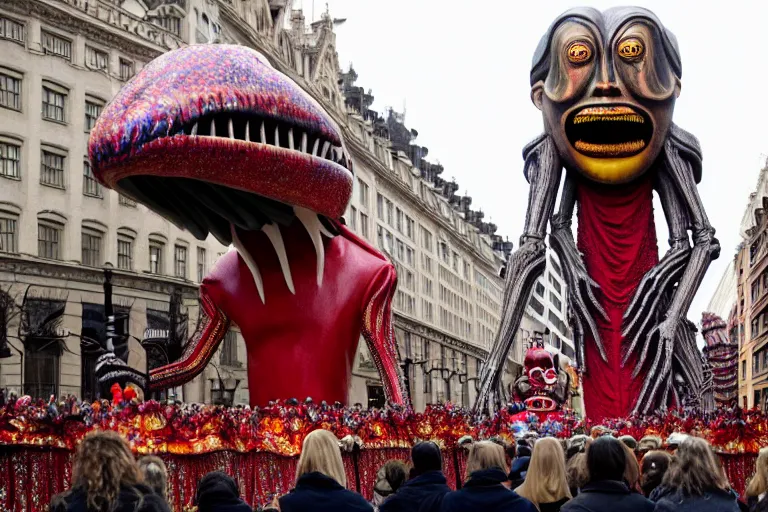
[546, 483]
[695, 482]
[106, 478]
[758, 484]
[320, 479]
[484, 489]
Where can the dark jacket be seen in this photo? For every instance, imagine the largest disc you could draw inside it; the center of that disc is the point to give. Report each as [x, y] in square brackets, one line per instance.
[715, 501]
[518, 471]
[315, 492]
[131, 499]
[485, 493]
[218, 492]
[608, 496]
[554, 506]
[423, 493]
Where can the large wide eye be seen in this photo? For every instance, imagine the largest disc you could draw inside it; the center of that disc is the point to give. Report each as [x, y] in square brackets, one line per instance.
[579, 52]
[631, 49]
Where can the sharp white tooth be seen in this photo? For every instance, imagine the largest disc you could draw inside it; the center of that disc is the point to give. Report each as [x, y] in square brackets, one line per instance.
[304, 142]
[273, 233]
[326, 145]
[249, 262]
[314, 227]
[290, 138]
[247, 131]
[315, 147]
[277, 137]
[213, 128]
[231, 129]
[194, 130]
[338, 153]
[263, 133]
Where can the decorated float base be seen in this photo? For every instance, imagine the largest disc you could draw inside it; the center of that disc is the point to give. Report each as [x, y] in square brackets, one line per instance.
[260, 446]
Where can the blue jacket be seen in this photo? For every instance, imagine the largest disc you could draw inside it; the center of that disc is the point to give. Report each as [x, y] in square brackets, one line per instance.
[425, 491]
[608, 496]
[315, 492]
[483, 492]
[714, 501]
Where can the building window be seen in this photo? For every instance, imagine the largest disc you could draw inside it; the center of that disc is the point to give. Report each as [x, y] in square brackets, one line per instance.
[390, 212]
[92, 112]
[557, 302]
[10, 160]
[9, 232]
[399, 219]
[353, 218]
[363, 225]
[10, 90]
[53, 104]
[743, 370]
[91, 248]
[539, 289]
[52, 169]
[363, 192]
[537, 306]
[11, 30]
[201, 264]
[555, 284]
[156, 257]
[380, 206]
[126, 69]
[124, 253]
[41, 368]
[56, 45]
[180, 261]
[91, 187]
[409, 227]
[229, 349]
[126, 201]
[426, 263]
[96, 59]
[170, 23]
[49, 240]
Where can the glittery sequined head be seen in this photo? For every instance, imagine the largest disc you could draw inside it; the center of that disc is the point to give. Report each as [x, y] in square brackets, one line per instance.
[208, 126]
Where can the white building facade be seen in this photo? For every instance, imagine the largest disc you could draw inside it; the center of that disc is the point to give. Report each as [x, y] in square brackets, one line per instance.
[60, 63]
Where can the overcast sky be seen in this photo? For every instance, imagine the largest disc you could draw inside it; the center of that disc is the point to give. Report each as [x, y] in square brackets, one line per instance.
[462, 72]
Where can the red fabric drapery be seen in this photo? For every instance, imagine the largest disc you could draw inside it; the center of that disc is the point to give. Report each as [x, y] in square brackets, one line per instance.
[31, 477]
[617, 236]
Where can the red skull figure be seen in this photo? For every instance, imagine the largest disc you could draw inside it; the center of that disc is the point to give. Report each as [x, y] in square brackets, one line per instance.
[540, 386]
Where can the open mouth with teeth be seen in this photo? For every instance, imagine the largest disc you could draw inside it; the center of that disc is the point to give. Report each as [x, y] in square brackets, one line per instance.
[616, 131]
[227, 147]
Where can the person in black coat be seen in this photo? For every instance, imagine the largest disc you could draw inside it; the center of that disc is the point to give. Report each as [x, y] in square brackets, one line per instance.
[485, 490]
[218, 492]
[606, 490]
[425, 489]
[695, 482]
[100, 453]
[321, 480]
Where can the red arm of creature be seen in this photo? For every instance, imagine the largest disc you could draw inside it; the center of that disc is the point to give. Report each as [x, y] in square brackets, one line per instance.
[378, 329]
[201, 346]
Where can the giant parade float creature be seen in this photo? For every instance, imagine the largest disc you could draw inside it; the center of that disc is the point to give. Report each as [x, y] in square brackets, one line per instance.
[219, 142]
[213, 138]
[606, 84]
[722, 354]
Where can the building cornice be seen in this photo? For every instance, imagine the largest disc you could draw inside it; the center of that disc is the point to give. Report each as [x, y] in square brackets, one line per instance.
[431, 334]
[102, 23]
[64, 271]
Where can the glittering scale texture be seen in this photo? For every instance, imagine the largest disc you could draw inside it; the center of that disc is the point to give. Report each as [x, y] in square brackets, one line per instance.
[185, 84]
[147, 130]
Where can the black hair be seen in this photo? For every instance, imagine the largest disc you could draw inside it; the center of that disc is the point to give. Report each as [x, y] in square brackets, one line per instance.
[606, 459]
[426, 456]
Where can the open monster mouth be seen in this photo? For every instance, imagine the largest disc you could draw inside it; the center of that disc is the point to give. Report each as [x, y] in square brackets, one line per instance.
[609, 131]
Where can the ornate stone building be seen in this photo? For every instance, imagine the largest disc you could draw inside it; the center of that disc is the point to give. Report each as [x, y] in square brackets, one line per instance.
[70, 57]
[750, 325]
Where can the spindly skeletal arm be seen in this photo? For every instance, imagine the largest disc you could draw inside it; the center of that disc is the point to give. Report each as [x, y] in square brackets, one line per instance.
[666, 325]
[204, 342]
[582, 302]
[542, 166]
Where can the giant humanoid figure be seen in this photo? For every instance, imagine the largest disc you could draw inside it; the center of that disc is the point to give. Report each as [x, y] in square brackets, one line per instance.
[606, 84]
[215, 139]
